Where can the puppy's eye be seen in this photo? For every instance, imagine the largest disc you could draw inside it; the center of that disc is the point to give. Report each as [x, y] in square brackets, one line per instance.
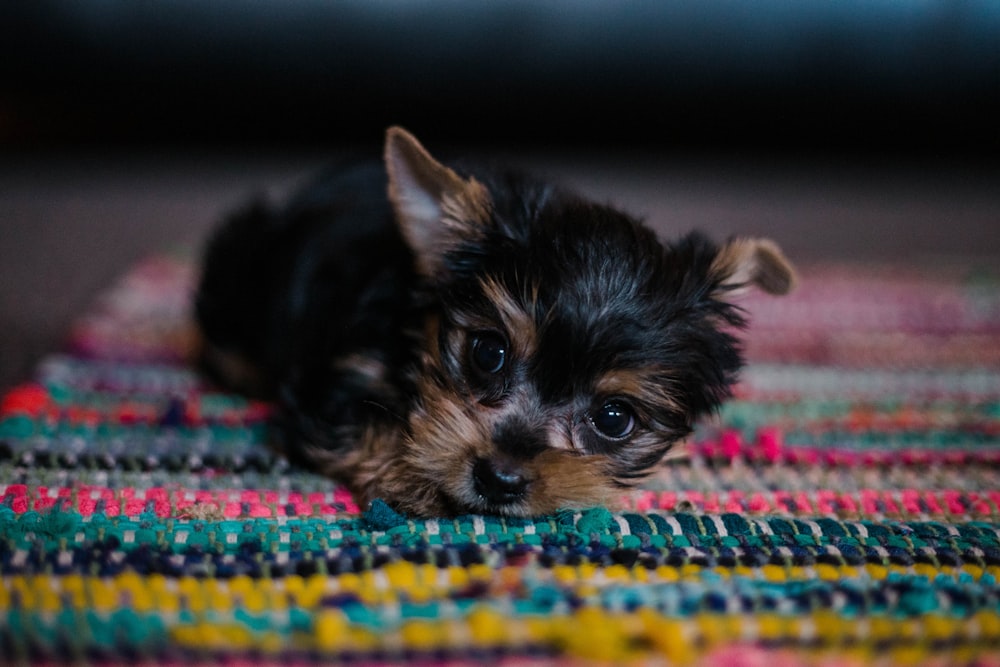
[488, 352]
[615, 419]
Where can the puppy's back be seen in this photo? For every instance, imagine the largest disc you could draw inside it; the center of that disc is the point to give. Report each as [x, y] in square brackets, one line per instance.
[284, 286]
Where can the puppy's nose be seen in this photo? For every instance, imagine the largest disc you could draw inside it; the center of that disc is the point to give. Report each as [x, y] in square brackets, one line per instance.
[498, 481]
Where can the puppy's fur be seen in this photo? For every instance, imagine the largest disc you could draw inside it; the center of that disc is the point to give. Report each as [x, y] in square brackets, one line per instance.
[473, 341]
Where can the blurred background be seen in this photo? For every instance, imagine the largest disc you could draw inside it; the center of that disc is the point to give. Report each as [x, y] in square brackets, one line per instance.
[848, 130]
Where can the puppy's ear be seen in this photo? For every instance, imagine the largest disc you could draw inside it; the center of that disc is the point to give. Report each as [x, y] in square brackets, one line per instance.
[744, 262]
[435, 207]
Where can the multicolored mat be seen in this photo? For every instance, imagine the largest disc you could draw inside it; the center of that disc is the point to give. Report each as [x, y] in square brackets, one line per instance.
[845, 509]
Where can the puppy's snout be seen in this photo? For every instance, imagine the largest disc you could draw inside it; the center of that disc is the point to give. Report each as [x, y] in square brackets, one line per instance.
[499, 481]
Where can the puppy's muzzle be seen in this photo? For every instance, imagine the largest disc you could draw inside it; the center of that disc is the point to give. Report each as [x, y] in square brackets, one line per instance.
[499, 481]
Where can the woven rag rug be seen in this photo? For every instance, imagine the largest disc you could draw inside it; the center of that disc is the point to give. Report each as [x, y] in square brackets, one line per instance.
[843, 509]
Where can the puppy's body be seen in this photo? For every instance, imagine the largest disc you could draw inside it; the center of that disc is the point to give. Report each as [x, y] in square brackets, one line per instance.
[474, 342]
[301, 303]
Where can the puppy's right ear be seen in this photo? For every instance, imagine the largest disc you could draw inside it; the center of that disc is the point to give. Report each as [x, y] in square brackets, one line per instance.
[435, 207]
[745, 262]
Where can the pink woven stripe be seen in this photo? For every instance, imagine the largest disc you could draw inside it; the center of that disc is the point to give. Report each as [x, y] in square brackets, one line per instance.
[241, 503]
[944, 504]
[769, 446]
[178, 502]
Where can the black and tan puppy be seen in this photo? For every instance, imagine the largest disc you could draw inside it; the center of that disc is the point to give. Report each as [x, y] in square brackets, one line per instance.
[473, 342]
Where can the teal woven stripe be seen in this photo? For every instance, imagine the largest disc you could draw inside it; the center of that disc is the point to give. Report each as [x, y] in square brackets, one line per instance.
[78, 635]
[129, 443]
[788, 410]
[58, 530]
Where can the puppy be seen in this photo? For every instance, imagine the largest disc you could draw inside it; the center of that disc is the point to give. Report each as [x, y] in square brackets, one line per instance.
[457, 341]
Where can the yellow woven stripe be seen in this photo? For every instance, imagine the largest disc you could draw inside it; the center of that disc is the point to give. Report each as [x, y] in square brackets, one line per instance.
[397, 582]
[247, 613]
[625, 637]
[393, 583]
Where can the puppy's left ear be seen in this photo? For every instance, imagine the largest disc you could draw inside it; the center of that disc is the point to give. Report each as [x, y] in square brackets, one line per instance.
[435, 207]
[745, 262]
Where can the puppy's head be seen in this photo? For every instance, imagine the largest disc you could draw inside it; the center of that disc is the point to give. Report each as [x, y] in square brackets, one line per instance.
[567, 348]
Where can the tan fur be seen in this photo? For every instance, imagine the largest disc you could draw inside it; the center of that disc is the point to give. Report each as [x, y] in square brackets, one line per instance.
[435, 207]
[743, 262]
[412, 466]
[519, 325]
[470, 203]
[361, 468]
[413, 471]
[645, 384]
[567, 480]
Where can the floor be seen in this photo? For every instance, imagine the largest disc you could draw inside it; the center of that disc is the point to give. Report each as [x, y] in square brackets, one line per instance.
[73, 222]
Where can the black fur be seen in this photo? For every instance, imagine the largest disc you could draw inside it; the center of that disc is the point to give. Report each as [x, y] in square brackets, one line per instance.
[330, 305]
[612, 296]
[291, 288]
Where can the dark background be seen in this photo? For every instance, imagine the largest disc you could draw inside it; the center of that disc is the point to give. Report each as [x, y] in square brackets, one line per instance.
[842, 74]
[848, 130]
